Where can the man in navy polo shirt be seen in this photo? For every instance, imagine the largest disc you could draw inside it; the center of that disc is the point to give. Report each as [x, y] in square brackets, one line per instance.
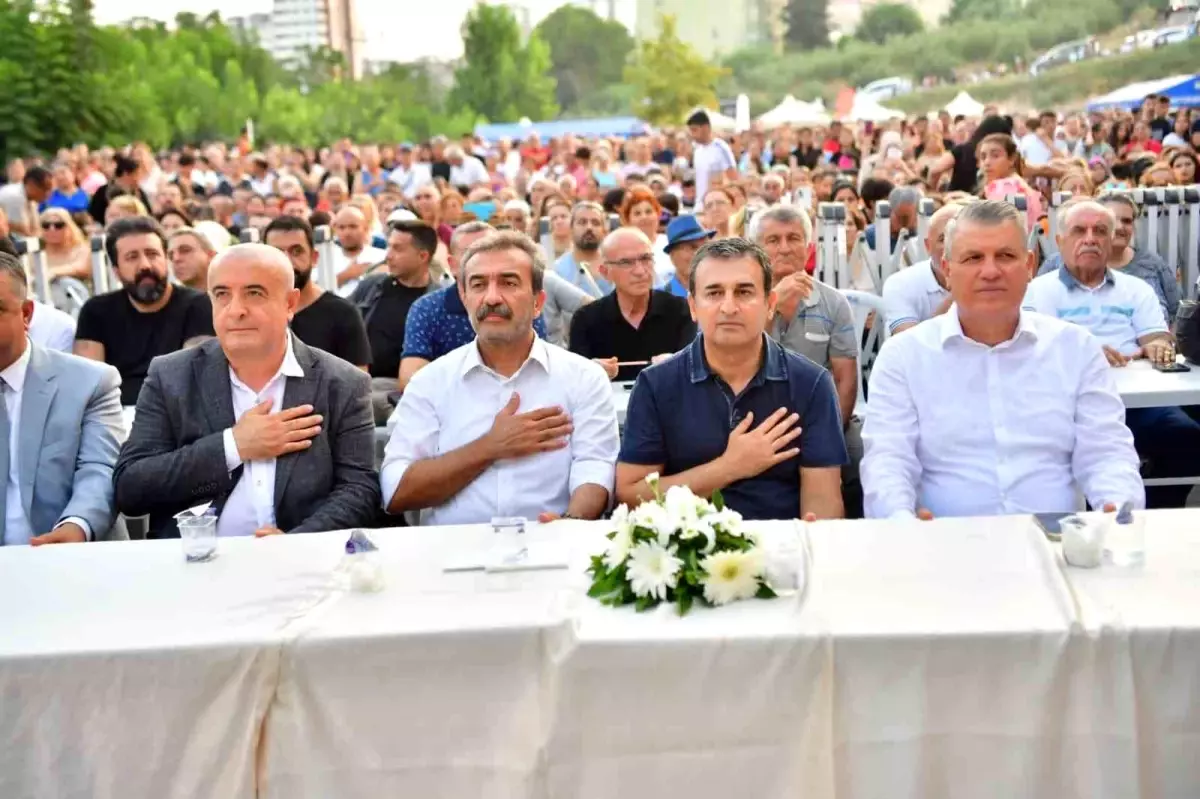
[438, 322]
[735, 411]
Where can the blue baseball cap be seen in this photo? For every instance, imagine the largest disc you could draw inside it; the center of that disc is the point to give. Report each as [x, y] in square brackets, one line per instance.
[685, 228]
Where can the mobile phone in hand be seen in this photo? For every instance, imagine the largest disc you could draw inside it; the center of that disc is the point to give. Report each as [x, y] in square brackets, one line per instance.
[1171, 368]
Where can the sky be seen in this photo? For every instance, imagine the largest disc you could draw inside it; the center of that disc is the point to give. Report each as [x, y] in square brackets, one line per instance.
[434, 36]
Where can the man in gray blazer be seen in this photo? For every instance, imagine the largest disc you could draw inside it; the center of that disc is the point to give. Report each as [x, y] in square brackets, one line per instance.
[278, 436]
[60, 430]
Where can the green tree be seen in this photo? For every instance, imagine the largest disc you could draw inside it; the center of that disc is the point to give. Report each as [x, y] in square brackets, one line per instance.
[500, 79]
[587, 53]
[670, 77]
[961, 10]
[886, 20]
[807, 24]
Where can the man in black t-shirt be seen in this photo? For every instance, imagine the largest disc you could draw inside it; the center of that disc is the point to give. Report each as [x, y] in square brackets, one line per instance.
[149, 316]
[323, 319]
[125, 181]
[385, 299]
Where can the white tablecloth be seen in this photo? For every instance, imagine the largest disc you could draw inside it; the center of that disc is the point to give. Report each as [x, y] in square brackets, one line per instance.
[1143, 387]
[957, 658]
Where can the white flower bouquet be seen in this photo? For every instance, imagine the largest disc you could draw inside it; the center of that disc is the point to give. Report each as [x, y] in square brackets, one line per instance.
[679, 548]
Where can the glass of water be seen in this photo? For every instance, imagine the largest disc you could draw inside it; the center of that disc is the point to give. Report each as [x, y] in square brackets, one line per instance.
[1125, 538]
[199, 535]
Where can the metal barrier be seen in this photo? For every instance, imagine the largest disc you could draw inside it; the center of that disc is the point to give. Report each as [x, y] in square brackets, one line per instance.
[925, 211]
[545, 240]
[1188, 268]
[249, 235]
[34, 260]
[323, 238]
[833, 266]
[101, 274]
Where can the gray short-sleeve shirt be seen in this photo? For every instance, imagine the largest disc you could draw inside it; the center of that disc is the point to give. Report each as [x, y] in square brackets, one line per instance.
[822, 328]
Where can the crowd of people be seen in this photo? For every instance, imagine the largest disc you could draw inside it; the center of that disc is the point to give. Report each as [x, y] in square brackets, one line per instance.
[487, 294]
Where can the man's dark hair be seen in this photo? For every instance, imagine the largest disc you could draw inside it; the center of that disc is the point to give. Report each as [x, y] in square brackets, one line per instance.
[612, 200]
[874, 190]
[583, 153]
[1048, 115]
[731, 250]
[125, 166]
[423, 235]
[131, 226]
[669, 203]
[11, 265]
[318, 218]
[187, 159]
[289, 224]
[7, 247]
[38, 176]
[699, 118]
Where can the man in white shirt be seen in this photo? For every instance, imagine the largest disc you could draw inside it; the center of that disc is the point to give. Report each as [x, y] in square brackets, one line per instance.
[276, 435]
[354, 256]
[408, 175]
[919, 292]
[711, 156]
[465, 170]
[988, 409]
[52, 328]
[506, 425]
[1124, 313]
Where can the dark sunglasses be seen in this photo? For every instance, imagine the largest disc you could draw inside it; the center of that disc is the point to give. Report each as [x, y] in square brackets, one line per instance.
[55, 225]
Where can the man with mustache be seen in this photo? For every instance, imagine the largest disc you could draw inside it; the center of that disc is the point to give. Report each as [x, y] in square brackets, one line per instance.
[506, 425]
[146, 318]
[1124, 313]
[322, 318]
[581, 266]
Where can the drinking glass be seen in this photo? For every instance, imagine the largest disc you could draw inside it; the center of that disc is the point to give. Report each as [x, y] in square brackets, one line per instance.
[199, 535]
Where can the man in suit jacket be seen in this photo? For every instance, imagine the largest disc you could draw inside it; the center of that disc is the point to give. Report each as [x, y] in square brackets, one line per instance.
[278, 435]
[60, 430]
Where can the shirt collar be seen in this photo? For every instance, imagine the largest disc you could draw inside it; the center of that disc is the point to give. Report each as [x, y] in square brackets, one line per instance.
[929, 277]
[289, 368]
[14, 375]
[537, 353]
[774, 367]
[452, 302]
[951, 327]
[1071, 282]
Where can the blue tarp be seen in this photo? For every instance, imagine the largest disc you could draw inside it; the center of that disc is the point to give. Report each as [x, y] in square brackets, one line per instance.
[1184, 91]
[610, 126]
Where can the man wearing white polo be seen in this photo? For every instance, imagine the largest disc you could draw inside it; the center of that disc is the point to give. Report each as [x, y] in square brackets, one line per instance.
[919, 292]
[1125, 314]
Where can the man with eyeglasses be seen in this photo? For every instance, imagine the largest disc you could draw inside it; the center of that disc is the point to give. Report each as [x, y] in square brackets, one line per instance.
[634, 325]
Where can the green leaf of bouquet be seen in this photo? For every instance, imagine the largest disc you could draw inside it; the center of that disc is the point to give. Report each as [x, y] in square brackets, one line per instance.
[718, 500]
[765, 592]
[685, 602]
[644, 603]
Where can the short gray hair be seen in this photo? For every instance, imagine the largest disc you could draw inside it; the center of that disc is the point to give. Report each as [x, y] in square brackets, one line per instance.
[986, 213]
[784, 215]
[731, 249]
[12, 266]
[903, 195]
[1064, 212]
[580, 207]
[1115, 198]
[467, 229]
[503, 241]
[200, 238]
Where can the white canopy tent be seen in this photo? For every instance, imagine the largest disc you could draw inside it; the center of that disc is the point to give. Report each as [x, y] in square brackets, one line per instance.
[791, 111]
[720, 122]
[868, 109]
[964, 105]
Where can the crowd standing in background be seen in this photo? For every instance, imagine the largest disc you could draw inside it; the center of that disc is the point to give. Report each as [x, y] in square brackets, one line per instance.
[682, 258]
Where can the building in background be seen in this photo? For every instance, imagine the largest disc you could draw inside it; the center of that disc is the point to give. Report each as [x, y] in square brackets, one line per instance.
[295, 27]
[713, 27]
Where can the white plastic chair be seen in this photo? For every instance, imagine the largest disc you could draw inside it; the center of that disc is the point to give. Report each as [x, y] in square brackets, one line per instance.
[864, 303]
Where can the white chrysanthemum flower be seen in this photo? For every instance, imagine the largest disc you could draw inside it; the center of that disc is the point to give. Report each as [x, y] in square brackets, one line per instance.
[652, 479]
[731, 576]
[680, 503]
[652, 569]
[729, 520]
[654, 517]
[618, 547]
[700, 527]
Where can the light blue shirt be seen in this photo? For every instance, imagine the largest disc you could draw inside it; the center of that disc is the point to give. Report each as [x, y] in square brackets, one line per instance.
[570, 270]
[1121, 310]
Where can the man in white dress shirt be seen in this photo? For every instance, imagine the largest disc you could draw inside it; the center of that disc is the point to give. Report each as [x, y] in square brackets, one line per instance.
[988, 409]
[506, 425]
[919, 292]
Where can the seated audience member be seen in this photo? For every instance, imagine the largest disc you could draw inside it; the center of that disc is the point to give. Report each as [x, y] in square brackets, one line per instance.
[49, 327]
[1125, 259]
[149, 316]
[635, 323]
[814, 320]
[685, 235]
[62, 429]
[1124, 313]
[988, 409]
[354, 256]
[190, 253]
[439, 323]
[919, 292]
[735, 411]
[276, 434]
[580, 266]
[506, 425]
[322, 319]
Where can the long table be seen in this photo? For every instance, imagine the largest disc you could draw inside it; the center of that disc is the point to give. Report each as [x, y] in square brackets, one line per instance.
[955, 658]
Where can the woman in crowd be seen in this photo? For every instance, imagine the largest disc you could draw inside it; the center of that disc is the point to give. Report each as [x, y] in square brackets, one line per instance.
[1100, 147]
[67, 194]
[1158, 175]
[1183, 165]
[961, 161]
[1000, 164]
[603, 173]
[427, 205]
[935, 148]
[1178, 137]
[845, 193]
[1076, 181]
[123, 206]
[67, 251]
[557, 210]
[641, 209]
[718, 205]
[1140, 141]
[452, 207]
[1121, 134]
[172, 219]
